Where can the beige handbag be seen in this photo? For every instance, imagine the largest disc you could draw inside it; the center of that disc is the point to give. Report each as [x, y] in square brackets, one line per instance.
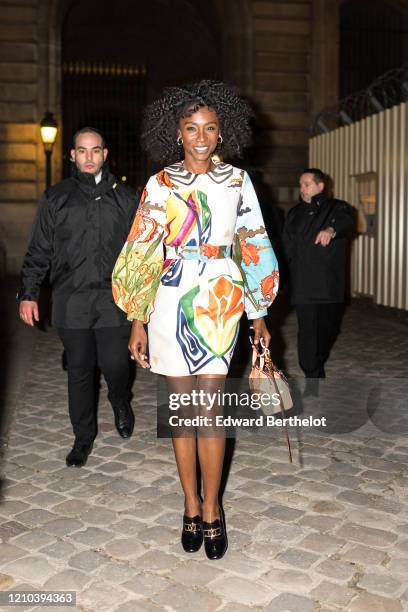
[265, 377]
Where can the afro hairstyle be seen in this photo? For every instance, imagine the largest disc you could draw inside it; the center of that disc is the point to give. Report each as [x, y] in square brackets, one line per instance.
[161, 119]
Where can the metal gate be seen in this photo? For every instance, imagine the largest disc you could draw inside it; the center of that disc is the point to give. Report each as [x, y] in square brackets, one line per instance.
[368, 162]
[109, 97]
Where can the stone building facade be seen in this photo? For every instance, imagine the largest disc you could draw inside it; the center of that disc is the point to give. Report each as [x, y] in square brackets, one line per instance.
[282, 54]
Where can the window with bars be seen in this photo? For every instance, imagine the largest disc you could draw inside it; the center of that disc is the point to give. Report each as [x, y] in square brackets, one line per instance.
[109, 97]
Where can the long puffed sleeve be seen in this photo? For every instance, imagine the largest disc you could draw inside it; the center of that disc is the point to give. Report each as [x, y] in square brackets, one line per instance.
[137, 272]
[254, 255]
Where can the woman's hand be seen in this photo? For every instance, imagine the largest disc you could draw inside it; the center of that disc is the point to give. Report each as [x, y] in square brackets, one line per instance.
[261, 331]
[138, 344]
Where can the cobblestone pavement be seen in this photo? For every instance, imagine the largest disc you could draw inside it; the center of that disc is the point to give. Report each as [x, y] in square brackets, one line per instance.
[329, 532]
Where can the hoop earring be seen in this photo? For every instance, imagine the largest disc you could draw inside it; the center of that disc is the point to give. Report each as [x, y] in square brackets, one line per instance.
[179, 141]
[220, 139]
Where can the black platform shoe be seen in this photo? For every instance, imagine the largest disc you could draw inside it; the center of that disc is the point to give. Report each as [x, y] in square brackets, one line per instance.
[192, 534]
[215, 538]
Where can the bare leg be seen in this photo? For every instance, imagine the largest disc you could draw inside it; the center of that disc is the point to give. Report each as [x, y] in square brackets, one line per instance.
[185, 447]
[211, 449]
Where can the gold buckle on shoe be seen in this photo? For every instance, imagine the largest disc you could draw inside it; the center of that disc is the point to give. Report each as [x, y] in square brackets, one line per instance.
[213, 532]
[191, 527]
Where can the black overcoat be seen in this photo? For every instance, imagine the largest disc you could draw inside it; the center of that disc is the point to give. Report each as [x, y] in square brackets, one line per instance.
[317, 273]
[77, 235]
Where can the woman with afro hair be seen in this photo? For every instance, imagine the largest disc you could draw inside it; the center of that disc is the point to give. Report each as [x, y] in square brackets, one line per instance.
[196, 258]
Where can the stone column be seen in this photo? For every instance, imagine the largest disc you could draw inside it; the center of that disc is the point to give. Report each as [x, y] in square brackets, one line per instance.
[237, 42]
[325, 54]
[30, 80]
[281, 51]
[20, 155]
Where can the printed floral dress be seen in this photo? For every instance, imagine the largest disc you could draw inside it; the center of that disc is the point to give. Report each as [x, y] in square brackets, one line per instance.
[196, 257]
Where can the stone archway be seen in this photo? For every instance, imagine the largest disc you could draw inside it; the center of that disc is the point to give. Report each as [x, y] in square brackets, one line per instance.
[233, 22]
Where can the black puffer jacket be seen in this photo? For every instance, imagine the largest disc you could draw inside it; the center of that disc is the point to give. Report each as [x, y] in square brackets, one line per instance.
[317, 273]
[77, 236]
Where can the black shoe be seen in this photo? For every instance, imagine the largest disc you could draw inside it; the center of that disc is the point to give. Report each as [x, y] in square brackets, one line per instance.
[78, 456]
[192, 534]
[215, 538]
[124, 420]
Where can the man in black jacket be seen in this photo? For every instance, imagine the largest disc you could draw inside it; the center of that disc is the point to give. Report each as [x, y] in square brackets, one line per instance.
[315, 239]
[80, 228]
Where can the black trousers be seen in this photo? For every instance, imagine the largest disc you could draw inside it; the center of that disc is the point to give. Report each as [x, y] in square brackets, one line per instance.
[318, 327]
[107, 348]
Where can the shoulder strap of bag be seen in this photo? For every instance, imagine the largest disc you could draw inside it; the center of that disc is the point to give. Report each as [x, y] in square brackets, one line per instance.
[258, 360]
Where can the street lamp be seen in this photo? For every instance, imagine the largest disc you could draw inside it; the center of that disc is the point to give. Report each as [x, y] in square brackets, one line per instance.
[49, 129]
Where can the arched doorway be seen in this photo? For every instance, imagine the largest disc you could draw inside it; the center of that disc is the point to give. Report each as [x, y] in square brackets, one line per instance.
[188, 39]
[118, 56]
[174, 40]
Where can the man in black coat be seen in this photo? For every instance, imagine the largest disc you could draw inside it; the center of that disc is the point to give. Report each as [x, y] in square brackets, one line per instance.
[315, 241]
[79, 230]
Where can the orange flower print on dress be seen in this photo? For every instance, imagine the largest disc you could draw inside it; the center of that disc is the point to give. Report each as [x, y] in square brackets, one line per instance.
[217, 318]
[143, 228]
[249, 253]
[268, 285]
[164, 179]
[116, 292]
[136, 229]
[143, 197]
[131, 305]
[138, 225]
[209, 250]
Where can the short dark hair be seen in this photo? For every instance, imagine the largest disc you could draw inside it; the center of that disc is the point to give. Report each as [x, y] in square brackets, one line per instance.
[318, 175]
[88, 130]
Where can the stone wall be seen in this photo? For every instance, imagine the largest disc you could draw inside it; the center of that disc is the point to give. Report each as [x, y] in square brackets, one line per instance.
[281, 91]
[274, 38]
[20, 164]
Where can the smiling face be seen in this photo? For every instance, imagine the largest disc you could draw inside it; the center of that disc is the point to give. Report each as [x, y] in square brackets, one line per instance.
[200, 134]
[89, 154]
[309, 187]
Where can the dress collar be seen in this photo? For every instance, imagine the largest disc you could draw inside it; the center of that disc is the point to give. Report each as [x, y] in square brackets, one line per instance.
[178, 173]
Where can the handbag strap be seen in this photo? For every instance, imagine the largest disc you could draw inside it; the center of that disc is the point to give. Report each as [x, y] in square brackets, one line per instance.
[261, 358]
[284, 421]
[258, 359]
